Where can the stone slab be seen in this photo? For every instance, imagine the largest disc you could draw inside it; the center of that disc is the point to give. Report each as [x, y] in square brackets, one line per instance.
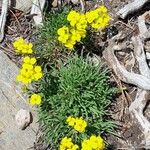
[12, 100]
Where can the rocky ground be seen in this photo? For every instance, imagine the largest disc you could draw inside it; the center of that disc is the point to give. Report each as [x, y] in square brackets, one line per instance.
[129, 134]
[12, 100]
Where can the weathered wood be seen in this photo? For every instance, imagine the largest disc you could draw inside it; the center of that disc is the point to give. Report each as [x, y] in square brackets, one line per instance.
[131, 7]
[3, 18]
[23, 5]
[141, 80]
[37, 8]
[11, 100]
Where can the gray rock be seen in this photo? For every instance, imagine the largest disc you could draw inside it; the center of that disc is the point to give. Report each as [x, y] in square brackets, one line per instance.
[23, 118]
[12, 100]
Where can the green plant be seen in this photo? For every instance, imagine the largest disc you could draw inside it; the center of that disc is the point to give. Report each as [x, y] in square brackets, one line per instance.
[77, 88]
[46, 45]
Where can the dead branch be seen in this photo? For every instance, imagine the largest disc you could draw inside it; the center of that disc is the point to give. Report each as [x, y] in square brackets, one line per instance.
[131, 7]
[144, 32]
[37, 10]
[3, 18]
[148, 55]
[140, 56]
[124, 75]
[141, 98]
[137, 106]
[136, 109]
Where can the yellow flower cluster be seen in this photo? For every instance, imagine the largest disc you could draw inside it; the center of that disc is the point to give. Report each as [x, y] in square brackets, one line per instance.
[29, 71]
[77, 20]
[22, 47]
[69, 36]
[35, 99]
[94, 143]
[66, 144]
[98, 18]
[77, 123]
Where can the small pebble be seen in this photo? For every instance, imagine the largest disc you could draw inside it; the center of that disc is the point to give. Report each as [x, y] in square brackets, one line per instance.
[23, 118]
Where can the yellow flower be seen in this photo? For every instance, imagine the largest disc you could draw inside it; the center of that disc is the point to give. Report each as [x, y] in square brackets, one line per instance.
[30, 45]
[30, 51]
[23, 51]
[77, 123]
[91, 16]
[97, 142]
[22, 77]
[75, 147]
[98, 18]
[71, 121]
[29, 72]
[19, 78]
[69, 36]
[38, 72]
[63, 38]
[73, 17]
[74, 35]
[23, 47]
[63, 34]
[37, 69]
[38, 76]
[66, 144]
[32, 60]
[35, 99]
[29, 60]
[94, 143]
[27, 66]
[80, 125]
[102, 9]
[69, 45]
[23, 71]
[26, 59]
[71, 42]
[82, 23]
[26, 80]
[63, 30]
[82, 33]
[86, 145]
